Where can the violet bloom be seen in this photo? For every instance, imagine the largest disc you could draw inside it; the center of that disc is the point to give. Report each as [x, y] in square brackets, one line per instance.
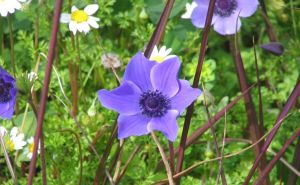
[150, 98]
[8, 94]
[226, 15]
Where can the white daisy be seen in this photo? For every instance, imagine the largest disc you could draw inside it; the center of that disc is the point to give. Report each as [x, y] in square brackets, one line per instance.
[15, 141]
[189, 10]
[161, 55]
[29, 148]
[9, 6]
[81, 20]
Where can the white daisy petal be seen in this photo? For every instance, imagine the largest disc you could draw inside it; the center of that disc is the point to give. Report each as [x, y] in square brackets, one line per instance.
[91, 9]
[74, 8]
[93, 23]
[9, 6]
[189, 10]
[85, 27]
[95, 18]
[72, 27]
[65, 18]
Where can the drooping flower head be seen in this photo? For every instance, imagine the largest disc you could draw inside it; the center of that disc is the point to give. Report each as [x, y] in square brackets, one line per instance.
[81, 20]
[150, 98]
[15, 140]
[162, 54]
[110, 60]
[226, 15]
[9, 6]
[8, 94]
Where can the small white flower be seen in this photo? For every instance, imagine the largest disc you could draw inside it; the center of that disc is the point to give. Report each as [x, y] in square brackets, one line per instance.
[32, 76]
[10, 6]
[81, 20]
[161, 55]
[110, 60]
[16, 140]
[3, 131]
[29, 148]
[189, 10]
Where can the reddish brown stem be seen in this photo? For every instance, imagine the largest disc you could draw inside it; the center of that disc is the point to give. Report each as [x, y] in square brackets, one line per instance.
[289, 104]
[189, 113]
[44, 96]
[253, 126]
[160, 28]
[272, 163]
[292, 179]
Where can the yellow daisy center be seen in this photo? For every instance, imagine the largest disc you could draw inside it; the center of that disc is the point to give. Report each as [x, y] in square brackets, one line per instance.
[79, 16]
[31, 147]
[158, 59]
[10, 145]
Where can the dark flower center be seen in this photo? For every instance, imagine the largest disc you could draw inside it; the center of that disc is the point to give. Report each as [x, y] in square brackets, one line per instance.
[154, 104]
[5, 88]
[225, 8]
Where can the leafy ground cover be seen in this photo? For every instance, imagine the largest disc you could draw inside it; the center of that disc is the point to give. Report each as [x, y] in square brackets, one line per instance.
[79, 144]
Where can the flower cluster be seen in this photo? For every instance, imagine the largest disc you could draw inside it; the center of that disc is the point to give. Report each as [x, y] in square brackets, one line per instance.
[150, 98]
[8, 94]
[10, 6]
[226, 15]
[15, 141]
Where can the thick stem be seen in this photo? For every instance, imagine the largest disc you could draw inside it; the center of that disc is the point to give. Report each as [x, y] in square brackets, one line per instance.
[272, 163]
[44, 96]
[270, 30]
[253, 126]
[172, 157]
[289, 104]
[292, 179]
[189, 113]
[160, 28]
[101, 166]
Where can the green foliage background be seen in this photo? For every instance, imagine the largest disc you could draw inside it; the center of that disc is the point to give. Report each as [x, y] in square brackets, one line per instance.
[125, 28]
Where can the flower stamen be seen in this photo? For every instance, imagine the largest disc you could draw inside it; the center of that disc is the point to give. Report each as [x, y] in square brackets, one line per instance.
[79, 16]
[225, 8]
[154, 104]
[5, 88]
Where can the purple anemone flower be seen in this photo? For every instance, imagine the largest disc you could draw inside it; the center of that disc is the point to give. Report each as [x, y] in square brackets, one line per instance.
[226, 15]
[8, 94]
[150, 98]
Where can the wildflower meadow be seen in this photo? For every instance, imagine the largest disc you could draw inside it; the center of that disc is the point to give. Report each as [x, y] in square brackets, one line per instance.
[150, 92]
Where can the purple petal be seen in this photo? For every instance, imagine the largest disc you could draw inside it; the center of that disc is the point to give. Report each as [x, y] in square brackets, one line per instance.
[275, 48]
[227, 25]
[164, 76]
[124, 99]
[185, 96]
[134, 125]
[166, 124]
[202, 2]
[199, 14]
[138, 71]
[247, 7]
[6, 111]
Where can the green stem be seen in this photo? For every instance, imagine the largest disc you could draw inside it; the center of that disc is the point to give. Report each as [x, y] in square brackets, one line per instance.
[11, 39]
